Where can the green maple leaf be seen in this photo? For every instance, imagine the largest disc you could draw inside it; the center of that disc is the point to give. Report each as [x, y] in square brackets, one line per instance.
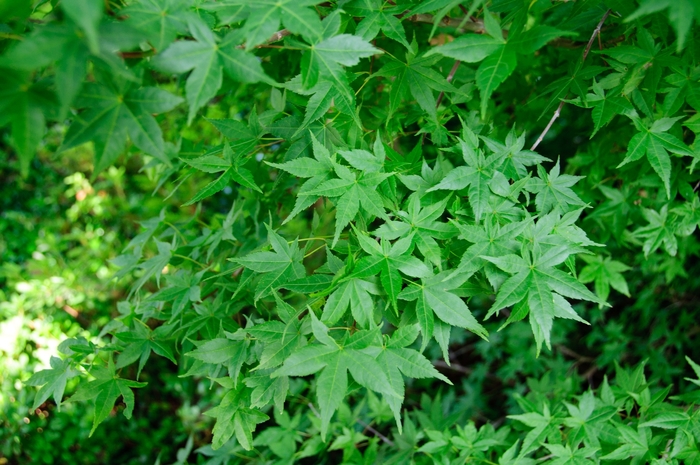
[232, 166]
[423, 223]
[353, 293]
[566, 455]
[241, 136]
[23, 105]
[658, 232]
[605, 273]
[605, 106]
[183, 288]
[385, 21]
[586, 420]
[537, 37]
[396, 359]
[278, 267]
[536, 279]
[280, 338]
[498, 59]
[324, 61]
[680, 15]
[575, 80]
[69, 49]
[58, 45]
[160, 20]
[689, 216]
[230, 351]
[317, 169]
[53, 381]
[686, 82]
[515, 159]
[634, 444]
[542, 424]
[469, 48]
[433, 297]
[617, 207]
[140, 342]
[265, 17]
[415, 76]
[489, 239]
[115, 110]
[232, 417]
[267, 389]
[428, 177]
[655, 143]
[554, 190]
[334, 360]
[206, 58]
[224, 231]
[493, 71]
[353, 191]
[388, 260]
[154, 266]
[324, 95]
[106, 389]
[476, 175]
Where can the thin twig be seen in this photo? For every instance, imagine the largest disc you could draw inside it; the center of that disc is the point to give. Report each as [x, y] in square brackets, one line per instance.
[549, 125]
[595, 33]
[276, 37]
[557, 112]
[376, 433]
[449, 80]
[458, 23]
[313, 409]
[450, 76]
[456, 367]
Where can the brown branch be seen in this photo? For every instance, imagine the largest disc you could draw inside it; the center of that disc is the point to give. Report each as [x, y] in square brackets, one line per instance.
[456, 367]
[450, 76]
[139, 54]
[557, 112]
[376, 433]
[471, 26]
[449, 79]
[595, 33]
[276, 37]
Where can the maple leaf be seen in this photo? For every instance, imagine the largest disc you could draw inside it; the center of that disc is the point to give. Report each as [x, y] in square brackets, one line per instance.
[353, 191]
[160, 20]
[278, 267]
[415, 75]
[105, 390]
[658, 232]
[388, 260]
[433, 297]
[206, 57]
[335, 360]
[515, 159]
[605, 273]
[140, 342]
[476, 175]
[115, 110]
[554, 190]
[317, 169]
[53, 381]
[232, 417]
[655, 143]
[422, 223]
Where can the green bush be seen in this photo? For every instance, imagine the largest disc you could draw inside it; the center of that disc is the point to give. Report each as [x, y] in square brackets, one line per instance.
[353, 231]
